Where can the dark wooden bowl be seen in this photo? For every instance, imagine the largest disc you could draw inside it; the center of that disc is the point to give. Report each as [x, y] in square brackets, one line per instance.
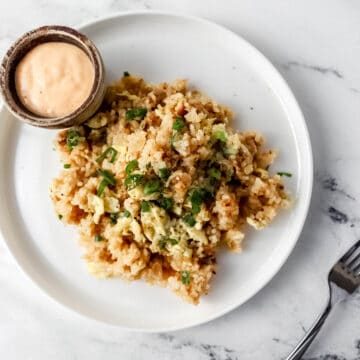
[27, 42]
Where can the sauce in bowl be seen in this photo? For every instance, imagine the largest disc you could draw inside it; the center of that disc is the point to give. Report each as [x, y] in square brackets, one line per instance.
[54, 79]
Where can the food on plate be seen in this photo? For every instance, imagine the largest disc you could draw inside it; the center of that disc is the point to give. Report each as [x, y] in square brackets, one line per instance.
[157, 181]
[54, 79]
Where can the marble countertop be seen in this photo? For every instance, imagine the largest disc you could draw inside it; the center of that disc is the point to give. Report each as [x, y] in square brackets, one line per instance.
[316, 47]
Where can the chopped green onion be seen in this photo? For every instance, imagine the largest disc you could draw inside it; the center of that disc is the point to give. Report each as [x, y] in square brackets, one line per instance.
[114, 218]
[60, 217]
[145, 206]
[72, 139]
[185, 277]
[282, 173]
[67, 166]
[102, 187]
[133, 180]
[131, 166]
[164, 173]
[152, 186]
[126, 74]
[148, 165]
[178, 124]
[165, 203]
[135, 113]
[197, 197]
[127, 213]
[189, 220]
[214, 173]
[108, 176]
[105, 153]
[221, 136]
[166, 239]
[108, 179]
[98, 238]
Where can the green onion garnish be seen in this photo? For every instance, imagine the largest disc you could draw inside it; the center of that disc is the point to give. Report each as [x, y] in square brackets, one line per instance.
[133, 180]
[165, 203]
[127, 213]
[60, 216]
[152, 186]
[189, 220]
[214, 173]
[282, 173]
[105, 153]
[67, 166]
[135, 113]
[145, 206]
[108, 176]
[108, 179]
[102, 187]
[185, 277]
[131, 166]
[197, 197]
[98, 238]
[164, 173]
[72, 139]
[114, 218]
[148, 165]
[126, 74]
[178, 124]
[221, 136]
[166, 239]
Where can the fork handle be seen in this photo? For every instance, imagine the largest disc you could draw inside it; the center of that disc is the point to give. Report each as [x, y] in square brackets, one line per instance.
[308, 338]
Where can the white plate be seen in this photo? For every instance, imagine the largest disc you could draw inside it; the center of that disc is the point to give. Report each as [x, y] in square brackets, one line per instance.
[160, 47]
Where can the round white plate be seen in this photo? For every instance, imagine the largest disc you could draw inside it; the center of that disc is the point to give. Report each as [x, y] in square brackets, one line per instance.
[159, 47]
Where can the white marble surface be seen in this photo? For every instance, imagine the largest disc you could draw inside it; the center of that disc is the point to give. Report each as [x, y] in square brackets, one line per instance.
[316, 46]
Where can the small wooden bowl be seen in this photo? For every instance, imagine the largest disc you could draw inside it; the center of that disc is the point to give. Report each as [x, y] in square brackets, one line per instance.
[21, 47]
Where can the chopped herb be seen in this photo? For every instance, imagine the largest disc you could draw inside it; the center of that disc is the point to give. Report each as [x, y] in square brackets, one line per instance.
[102, 187]
[145, 206]
[131, 166]
[126, 74]
[178, 124]
[127, 213]
[189, 220]
[221, 136]
[60, 217]
[152, 186]
[164, 173]
[67, 166]
[108, 179]
[148, 165]
[214, 173]
[72, 139]
[133, 180]
[197, 197]
[114, 217]
[98, 238]
[165, 203]
[135, 113]
[108, 176]
[164, 240]
[105, 153]
[282, 173]
[185, 277]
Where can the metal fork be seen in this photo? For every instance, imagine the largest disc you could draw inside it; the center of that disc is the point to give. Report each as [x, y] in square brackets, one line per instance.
[343, 279]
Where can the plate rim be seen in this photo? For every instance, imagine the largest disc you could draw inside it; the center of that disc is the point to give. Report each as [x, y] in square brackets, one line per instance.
[306, 202]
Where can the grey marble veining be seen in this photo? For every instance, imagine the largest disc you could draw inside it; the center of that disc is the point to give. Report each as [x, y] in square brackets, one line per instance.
[316, 47]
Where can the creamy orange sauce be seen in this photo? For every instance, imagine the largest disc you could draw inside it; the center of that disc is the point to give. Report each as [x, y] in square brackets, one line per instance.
[54, 79]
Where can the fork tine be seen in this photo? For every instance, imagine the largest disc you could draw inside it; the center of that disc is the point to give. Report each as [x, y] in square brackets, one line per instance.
[350, 252]
[354, 261]
[357, 270]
